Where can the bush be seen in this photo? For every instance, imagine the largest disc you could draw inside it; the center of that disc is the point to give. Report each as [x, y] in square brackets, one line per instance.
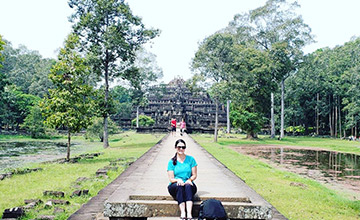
[249, 122]
[96, 129]
[144, 121]
[34, 123]
[295, 130]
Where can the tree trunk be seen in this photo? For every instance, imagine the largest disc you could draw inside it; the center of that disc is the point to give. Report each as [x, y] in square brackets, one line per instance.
[137, 116]
[68, 146]
[333, 120]
[272, 117]
[216, 121]
[282, 109]
[228, 116]
[336, 119]
[106, 140]
[339, 119]
[317, 113]
[330, 119]
[250, 135]
[355, 130]
[330, 126]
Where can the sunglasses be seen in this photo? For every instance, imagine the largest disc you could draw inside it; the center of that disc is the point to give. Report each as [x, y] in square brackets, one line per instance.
[182, 147]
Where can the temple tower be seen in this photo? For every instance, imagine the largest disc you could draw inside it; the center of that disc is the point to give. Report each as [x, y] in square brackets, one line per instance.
[176, 100]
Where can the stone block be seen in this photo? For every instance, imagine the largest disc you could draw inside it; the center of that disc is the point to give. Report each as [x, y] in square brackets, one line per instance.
[114, 168]
[36, 201]
[82, 179]
[74, 160]
[80, 192]
[101, 172]
[58, 202]
[58, 210]
[54, 193]
[45, 217]
[30, 205]
[16, 212]
[48, 204]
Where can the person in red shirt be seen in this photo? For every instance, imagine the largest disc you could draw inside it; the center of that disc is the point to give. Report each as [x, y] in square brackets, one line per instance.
[173, 127]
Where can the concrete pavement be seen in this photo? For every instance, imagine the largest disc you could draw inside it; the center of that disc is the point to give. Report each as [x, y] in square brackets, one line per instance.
[143, 193]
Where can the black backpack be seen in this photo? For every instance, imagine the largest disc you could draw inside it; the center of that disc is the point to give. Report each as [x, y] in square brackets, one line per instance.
[212, 209]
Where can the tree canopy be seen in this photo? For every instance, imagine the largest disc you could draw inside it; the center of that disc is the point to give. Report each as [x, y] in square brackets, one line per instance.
[70, 104]
[110, 34]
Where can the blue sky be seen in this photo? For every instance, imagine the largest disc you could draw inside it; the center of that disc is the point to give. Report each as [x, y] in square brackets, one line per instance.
[42, 25]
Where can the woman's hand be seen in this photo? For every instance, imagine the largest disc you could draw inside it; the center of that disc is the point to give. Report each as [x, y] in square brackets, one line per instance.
[179, 182]
[188, 182]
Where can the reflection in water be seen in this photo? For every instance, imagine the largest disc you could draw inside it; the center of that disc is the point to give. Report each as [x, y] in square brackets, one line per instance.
[319, 164]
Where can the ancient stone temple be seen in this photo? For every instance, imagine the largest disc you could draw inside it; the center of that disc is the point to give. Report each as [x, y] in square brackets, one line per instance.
[176, 100]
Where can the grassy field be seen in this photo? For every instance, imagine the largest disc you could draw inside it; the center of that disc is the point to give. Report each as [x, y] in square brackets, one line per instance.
[326, 143]
[62, 177]
[311, 201]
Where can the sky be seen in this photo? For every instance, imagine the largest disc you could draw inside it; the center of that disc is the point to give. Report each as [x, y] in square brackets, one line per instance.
[43, 25]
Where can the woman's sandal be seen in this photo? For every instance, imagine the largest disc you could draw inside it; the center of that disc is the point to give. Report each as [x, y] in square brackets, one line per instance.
[182, 218]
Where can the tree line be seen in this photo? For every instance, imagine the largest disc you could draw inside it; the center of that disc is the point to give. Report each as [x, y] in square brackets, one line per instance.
[105, 45]
[258, 63]
[323, 95]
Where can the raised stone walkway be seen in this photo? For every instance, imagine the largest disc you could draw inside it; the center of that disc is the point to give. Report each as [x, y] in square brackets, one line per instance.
[141, 191]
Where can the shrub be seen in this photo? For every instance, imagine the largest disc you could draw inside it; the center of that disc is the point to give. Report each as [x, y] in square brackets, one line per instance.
[34, 123]
[144, 121]
[295, 130]
[96, 129]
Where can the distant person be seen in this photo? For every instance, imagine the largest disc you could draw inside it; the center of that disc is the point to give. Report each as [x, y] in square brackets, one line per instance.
[182, 171]
[173, 126]
[182, 127]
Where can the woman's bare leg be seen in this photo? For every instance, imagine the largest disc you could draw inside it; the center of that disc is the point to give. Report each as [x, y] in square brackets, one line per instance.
[182, 210]
[189, 205]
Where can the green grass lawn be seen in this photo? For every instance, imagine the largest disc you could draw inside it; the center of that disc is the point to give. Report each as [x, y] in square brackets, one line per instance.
[326, 143]
[314, 201]
[62, 177]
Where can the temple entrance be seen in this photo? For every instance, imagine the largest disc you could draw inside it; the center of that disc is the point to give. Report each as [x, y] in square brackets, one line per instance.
[176, 100]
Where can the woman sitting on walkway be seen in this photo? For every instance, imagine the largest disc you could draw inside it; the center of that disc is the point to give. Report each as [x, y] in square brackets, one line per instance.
[182, 171]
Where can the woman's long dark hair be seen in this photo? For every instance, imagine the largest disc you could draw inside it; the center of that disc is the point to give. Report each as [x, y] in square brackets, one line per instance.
[174, 159]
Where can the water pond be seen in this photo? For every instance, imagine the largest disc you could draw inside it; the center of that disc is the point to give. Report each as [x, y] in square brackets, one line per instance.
[338, 169]
[18, 154]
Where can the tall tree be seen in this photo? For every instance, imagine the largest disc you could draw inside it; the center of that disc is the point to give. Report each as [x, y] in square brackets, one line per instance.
[24, 68]
[148, 72]
[251, 85]
[70, 103]
[2, 43]
[27, 69]
[110, 34]
[40, 83]
[16, 106]
[277, 28]
[213, 61]
[3, 81]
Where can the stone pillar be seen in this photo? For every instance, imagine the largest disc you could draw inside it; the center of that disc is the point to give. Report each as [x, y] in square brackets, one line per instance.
[272, 117]
[228, 116]
[137, 116]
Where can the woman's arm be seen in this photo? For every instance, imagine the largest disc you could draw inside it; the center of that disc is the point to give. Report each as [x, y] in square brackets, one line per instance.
[172, 178]
[193, 175]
